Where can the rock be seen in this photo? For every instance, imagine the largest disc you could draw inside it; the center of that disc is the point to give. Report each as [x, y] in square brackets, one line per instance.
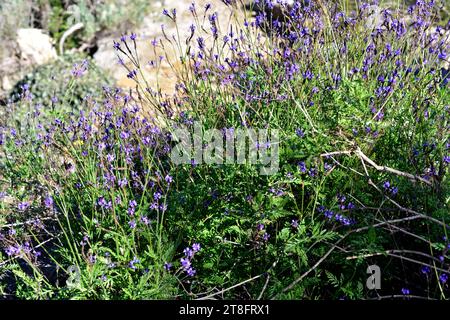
[35, 46]
[30, 49]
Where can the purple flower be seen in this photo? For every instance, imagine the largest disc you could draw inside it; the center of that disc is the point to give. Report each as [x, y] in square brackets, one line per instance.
[116, 45]
[79, 70]
[294, 223]
[188, 252]
[300, 133]
[443, 278]
[302, 166]
[405, 291]
[48, 201]
[167, 266]
[145, 220]
[132, 203]
[22, 206]
[132, 263]
[191, 272]
[328, 214]
[123, 182]
[132, 74]
[132, 224]
[124, 135]
[168, 179]
[157, 195]
[442, 55]
[185, 263]
[196, 247]
[425, 270]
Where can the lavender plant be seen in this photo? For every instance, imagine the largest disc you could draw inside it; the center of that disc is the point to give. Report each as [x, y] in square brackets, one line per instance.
[362, 110]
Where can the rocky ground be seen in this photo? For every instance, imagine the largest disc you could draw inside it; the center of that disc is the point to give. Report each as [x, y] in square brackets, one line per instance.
[33, 47]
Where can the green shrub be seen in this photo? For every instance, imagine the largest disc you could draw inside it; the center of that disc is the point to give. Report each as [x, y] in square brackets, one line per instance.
[56, 80]
[363, 171]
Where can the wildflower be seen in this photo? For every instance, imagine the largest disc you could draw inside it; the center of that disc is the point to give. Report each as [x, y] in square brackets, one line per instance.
[145, 220]
[188, 252]
[92, 258]
[196, 247]
[191, 272]
[22, 206]
[48, 201]
[123, 182]
[405, 291]
[132, 224]
[443, 278]
[442, 55]
[294, 223]
[185, 263]
[168, 179]
[312, 172]
[425, 270]
[133, 36]
[110, 157]
[116, 45]
[157, 195]
[132, 203]
[132, 74]
[300, 133]
[167, 266]
[329, 214]
[132, 263]
[302, 166]
[79, 70]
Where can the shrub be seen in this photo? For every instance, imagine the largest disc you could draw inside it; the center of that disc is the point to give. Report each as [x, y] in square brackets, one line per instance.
[53, 85]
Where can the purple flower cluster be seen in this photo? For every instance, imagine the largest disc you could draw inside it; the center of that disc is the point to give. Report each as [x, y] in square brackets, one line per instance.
[332, 216]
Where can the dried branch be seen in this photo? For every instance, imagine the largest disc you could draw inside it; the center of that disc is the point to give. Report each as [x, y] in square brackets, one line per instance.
[369, 161]
[360, 154]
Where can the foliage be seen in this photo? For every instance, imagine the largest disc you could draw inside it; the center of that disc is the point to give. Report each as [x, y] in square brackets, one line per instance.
[52, 85]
